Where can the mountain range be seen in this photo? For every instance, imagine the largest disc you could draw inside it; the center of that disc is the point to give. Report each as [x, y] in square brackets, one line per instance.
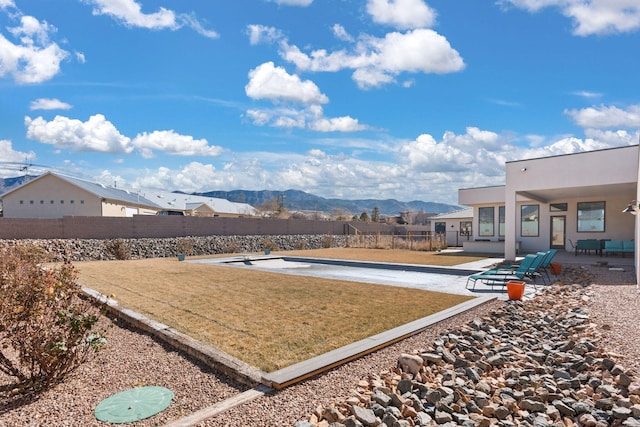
[294, 200]
[299, 200]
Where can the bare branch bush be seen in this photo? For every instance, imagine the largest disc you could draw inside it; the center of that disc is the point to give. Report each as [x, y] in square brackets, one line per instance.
[46, 329]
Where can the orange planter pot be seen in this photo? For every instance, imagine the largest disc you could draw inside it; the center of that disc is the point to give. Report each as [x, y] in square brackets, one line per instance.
[555, 268]
[515, 289]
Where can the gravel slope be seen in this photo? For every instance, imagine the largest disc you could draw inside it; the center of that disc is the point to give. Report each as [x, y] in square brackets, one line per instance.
[135, 359]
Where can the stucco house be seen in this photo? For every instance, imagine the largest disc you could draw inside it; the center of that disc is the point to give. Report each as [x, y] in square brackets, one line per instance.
[551, 202]
[457, 226]
[53, 196]
[195, 205]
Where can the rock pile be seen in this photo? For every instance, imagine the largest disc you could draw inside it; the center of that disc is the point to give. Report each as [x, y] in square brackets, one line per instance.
[535, 363]
[95, 249]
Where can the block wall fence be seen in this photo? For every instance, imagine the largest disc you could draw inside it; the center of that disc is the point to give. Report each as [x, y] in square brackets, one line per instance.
[151, 226]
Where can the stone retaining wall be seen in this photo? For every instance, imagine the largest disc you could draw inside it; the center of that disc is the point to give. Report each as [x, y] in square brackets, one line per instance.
[95, 249]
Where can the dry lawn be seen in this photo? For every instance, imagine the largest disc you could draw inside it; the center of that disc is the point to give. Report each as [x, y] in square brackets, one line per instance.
[268, 320]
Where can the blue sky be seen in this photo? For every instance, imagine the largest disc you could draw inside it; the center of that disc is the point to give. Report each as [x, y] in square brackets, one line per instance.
[404, 99]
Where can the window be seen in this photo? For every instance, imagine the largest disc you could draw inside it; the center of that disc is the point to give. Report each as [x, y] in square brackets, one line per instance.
[440, 227]
[529, 220]
[71, 201]
[590, 216]
[42, 202]
[62, 202]
[501, 221]
[485, 222]
[30, 202]
[558, 207]
[22, 202]
[466, 228]
[52, 202]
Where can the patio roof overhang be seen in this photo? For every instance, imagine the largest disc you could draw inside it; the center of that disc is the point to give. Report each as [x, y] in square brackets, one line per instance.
[549, 195]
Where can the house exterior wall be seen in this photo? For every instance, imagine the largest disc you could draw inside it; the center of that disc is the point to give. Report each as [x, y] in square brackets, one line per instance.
[609, 176]
[589, 169]
[475, 196]
[50, 197]
[454, 234]
[111, 208]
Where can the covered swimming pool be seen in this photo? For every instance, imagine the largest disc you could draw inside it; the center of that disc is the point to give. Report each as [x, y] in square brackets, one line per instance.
[426, 277]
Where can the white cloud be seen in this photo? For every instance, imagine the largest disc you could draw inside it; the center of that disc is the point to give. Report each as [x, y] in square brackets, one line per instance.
[378, 61]
[274, 83]
[606, 116]
[423, 169]
[49, 104]
[311, 117]
[402, 14]
[590, 16]
[96, 134]
[263, 34]
[129, 12]
[587, 94]
[197, 176]
[100, 135]
[8, 154]
[170, 142]
[303, 3]
[341, 33]
[5, 4]
[35, 58]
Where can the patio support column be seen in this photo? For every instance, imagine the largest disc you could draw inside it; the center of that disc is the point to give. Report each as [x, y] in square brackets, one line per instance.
[510, 224]
[637, 230]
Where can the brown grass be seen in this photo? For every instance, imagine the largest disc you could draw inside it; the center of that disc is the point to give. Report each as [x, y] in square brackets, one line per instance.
[268, 320]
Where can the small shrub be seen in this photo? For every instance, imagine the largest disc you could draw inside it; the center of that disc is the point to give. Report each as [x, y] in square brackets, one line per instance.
[185, 246]
[269, 244]
[231, 248]
[301, 245]
[327, 241]
[118, 249]
[46, 329]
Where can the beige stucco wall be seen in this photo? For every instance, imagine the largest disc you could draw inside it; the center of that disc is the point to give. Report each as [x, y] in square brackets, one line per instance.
[605, 175]
[50, 197]
[111, 208]
[593, 168]
[481, 195]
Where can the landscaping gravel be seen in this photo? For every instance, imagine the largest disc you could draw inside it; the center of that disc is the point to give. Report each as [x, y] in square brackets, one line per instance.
[135, 359]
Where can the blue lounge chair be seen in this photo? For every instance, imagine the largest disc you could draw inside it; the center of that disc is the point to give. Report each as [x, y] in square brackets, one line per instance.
[544, 266]
[502, 276]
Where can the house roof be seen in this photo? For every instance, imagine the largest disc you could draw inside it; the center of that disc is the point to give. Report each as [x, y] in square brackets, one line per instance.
[151, 198]
[459, 214]
[183, 201]
[98, 190]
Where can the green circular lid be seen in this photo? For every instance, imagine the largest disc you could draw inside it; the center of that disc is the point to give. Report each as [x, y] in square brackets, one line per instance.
[133, 405]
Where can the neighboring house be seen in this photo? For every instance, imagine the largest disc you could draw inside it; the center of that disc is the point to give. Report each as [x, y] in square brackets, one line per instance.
[456, 225]
[551, 202]
[54, 196]
[199, 205]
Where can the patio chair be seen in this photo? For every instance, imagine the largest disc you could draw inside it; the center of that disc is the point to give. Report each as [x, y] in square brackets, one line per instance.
[502, 276]
[546, 262]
